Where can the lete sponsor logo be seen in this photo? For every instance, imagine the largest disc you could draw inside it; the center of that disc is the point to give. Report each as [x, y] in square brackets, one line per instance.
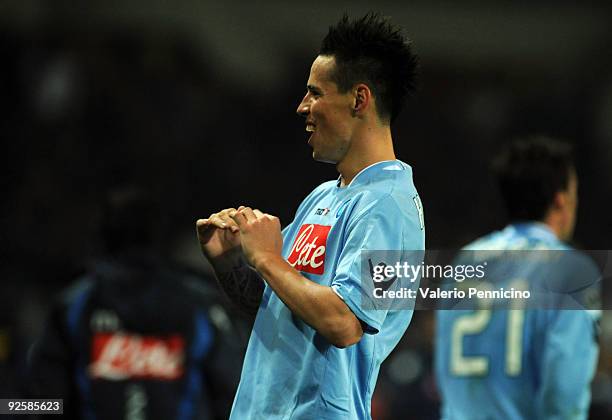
[118, 356]
[308, 251]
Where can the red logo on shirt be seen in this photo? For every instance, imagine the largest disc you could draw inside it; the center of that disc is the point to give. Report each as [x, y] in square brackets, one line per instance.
[308, 251]
[119, 356]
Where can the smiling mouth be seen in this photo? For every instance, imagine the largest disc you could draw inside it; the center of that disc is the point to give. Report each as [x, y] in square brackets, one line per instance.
[310, 128]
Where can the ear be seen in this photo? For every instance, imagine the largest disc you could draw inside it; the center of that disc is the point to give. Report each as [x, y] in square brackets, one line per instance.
[560, 200]
[362, 99]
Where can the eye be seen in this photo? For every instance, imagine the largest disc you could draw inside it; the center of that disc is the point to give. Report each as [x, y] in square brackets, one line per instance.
[316, 93]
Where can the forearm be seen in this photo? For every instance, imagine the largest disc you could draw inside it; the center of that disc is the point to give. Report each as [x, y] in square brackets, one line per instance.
[317, 305]
[240, 283]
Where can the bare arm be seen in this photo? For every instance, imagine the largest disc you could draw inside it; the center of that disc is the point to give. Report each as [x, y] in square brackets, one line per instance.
[219, 239]
[319, 306]
[243, 286]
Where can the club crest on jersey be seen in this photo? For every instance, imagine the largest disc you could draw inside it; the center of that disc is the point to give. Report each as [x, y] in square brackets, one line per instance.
[308, 251]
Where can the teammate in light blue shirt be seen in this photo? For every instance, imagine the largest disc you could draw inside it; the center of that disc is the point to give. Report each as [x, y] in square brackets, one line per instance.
[522, 364]
[316, 348]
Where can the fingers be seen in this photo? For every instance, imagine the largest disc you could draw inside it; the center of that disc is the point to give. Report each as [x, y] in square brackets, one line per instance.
[232, 219]
[202, 225]
[221, 220]
[240, 216]
[245, 215]
[259, 214]
[249, 214]
[203, 230]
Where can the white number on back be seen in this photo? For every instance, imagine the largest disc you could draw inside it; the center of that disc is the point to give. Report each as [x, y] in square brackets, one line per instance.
[475, 323]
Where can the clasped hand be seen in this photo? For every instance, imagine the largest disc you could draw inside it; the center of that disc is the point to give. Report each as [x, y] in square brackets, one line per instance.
[258, 234]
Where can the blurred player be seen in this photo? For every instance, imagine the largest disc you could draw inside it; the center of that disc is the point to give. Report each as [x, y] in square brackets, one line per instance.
[314, 353]
[136, 338]
[522, 364]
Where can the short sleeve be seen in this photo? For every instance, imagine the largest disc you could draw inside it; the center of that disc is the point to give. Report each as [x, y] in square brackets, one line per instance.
[381, 227]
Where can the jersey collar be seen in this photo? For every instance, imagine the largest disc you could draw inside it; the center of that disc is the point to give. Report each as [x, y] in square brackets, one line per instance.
[537, 230]
[366, 173]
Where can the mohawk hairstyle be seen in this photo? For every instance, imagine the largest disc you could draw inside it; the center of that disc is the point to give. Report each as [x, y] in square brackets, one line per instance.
[530, 172]
[370, 50]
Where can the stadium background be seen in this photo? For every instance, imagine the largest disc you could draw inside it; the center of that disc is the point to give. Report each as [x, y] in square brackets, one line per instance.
[196, 101]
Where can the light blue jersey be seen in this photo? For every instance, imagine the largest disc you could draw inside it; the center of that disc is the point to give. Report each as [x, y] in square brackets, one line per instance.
[292, 372]
[516, 364]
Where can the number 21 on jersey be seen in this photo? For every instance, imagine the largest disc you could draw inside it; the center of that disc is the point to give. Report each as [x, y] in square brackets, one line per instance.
[475, 323]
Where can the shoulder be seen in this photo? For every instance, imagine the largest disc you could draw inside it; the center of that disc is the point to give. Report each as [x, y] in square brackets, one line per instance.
[366, 203]
[494, 240]
[389, 215]
[391, 199]
[527, 236]
[81, 288]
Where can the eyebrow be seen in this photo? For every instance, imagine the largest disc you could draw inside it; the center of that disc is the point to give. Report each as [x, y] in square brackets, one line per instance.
[313, 89]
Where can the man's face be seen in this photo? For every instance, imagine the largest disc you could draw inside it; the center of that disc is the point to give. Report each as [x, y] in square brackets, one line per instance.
[328, 113]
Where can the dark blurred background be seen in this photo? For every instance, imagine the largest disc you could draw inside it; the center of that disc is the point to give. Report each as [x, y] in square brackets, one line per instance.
[196, 100]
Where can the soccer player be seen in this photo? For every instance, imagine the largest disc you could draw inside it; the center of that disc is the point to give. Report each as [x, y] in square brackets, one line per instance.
[314, 352]
[136, 337]
[522, 363]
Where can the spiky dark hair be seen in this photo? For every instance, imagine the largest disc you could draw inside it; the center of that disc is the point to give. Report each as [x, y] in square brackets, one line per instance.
[530, 171]
[370, 50]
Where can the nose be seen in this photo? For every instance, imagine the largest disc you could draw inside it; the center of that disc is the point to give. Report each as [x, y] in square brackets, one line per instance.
[304, 107]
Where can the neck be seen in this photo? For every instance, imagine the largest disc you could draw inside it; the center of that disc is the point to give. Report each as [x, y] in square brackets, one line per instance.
[555, 224]
[372, 145]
